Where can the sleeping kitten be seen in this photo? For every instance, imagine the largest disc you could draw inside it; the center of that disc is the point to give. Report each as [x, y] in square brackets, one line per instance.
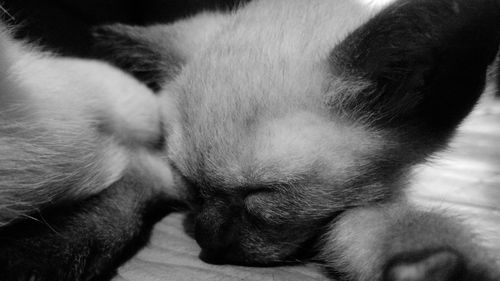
[292, 125]
[294, 115]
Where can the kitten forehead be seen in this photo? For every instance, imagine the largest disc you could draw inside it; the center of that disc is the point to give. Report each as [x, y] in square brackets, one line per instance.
[306, 143]
[291, 28]
[261, 67]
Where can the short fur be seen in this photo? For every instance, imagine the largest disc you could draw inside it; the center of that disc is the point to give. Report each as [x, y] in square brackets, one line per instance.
[68, 128]
[291, 113]
[294, 123]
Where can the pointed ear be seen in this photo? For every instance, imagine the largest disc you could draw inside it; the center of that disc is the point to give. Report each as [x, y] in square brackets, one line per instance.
[418, 65]
[147, 53]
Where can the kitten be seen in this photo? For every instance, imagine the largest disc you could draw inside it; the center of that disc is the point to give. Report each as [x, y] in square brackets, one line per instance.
[294, 115]
[292, 126]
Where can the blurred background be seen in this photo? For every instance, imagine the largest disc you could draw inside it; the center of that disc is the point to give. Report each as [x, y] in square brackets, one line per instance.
[63, 25]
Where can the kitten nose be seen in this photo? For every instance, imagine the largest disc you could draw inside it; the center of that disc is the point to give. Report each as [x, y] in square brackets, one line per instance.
[215, 232]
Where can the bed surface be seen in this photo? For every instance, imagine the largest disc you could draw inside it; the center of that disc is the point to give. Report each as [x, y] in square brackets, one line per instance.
[465, 180]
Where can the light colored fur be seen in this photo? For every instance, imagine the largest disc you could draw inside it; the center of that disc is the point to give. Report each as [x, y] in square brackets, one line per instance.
[262, 67]
[254, 114]
[364, 239]
[68, 127]
[248, 111]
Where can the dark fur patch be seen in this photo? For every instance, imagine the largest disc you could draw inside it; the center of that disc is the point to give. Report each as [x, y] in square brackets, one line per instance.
[48, 24]
[425, 60]
[84, 240]
[128, 48]
[156, 11]
[64, 26]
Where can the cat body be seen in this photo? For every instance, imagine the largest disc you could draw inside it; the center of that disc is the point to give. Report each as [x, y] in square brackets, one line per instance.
[291, 126]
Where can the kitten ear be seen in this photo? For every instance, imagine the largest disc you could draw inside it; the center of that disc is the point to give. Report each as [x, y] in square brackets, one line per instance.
[148, 53]
[418, 64]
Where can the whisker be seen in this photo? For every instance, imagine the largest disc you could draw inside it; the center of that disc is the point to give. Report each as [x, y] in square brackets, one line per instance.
[11, 17]
[50, 227]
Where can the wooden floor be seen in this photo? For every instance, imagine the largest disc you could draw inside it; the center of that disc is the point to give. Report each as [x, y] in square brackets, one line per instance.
[465, 179]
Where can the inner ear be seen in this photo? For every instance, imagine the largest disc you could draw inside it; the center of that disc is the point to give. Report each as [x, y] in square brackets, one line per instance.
[418, 64]
[148, 53]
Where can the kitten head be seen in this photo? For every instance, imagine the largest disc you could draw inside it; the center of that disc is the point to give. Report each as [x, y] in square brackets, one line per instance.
[289, 112]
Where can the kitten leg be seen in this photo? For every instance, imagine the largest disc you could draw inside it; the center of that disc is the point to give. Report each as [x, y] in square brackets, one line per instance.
[83, 240]
[400, 243]
[68, 127]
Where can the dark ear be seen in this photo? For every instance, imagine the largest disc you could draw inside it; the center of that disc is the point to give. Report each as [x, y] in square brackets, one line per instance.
[418, 66]
[148, 53]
